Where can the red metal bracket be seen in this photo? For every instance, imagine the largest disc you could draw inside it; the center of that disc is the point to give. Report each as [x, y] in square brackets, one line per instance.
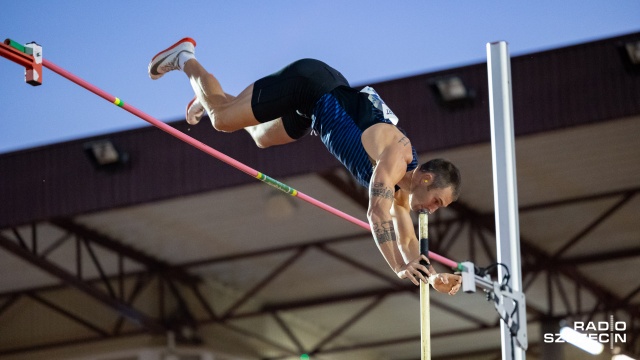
[29, 56]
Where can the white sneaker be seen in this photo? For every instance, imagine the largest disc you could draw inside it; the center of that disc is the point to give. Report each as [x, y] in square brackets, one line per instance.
[167, 59]
[195, 110]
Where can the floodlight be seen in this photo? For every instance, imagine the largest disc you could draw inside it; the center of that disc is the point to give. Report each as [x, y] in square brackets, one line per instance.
[621, 357]
[633, 51]
[104, 155]
[452, 92]
[581, 340]
[630, 54]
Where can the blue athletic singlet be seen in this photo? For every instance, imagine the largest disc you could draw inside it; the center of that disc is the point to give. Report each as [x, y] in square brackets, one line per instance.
[340, 122]
[309, 94]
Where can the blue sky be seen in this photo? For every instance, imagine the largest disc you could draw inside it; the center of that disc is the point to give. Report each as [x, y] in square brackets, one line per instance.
[109, 44]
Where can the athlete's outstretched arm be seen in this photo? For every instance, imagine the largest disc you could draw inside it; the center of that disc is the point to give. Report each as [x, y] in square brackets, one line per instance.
[390, 168]
[407, 239]
[410, 247]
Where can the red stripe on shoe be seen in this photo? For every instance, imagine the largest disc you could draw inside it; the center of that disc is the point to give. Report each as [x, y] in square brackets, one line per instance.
[187, 39]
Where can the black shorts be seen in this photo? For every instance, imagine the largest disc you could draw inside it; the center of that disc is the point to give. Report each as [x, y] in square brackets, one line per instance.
[292, 92]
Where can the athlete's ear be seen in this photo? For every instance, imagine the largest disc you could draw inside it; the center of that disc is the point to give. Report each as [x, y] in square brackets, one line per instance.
[427, 178]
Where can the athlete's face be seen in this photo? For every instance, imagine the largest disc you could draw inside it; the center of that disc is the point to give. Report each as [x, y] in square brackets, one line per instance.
[430, 200]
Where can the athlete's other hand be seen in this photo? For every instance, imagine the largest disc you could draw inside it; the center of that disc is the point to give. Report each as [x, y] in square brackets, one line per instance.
[446, 283]
[415, 271]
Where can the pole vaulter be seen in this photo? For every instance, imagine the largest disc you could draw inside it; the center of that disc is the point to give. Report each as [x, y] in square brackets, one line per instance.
[15, 52]
[30, 57]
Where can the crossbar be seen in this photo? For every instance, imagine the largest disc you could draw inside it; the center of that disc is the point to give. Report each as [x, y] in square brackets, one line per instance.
[222, 157]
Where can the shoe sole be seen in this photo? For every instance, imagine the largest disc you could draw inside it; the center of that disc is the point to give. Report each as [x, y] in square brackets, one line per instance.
[196, 117]
[153, 67]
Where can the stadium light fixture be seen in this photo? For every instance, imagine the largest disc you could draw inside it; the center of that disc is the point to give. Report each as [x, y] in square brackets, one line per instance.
[452, 92]
[581, 340]
[104, 155]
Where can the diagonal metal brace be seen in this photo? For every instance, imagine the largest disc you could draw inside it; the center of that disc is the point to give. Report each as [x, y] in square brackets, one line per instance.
[125, 310]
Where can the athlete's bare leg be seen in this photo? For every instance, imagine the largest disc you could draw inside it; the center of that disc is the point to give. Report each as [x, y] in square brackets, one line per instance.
[227, 113]
[269, 134]
[230, 113]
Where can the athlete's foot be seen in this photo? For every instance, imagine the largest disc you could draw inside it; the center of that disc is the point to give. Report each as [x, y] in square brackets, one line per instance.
[172, 58]
[195, 110]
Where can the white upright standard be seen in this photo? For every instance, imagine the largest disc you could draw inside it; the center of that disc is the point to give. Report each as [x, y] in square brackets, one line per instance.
[505, 190]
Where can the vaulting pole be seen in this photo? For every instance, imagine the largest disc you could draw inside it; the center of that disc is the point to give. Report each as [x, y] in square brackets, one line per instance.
[505, 190]
[425, 311]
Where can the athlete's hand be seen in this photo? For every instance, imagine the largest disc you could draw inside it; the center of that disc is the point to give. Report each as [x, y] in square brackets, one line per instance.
[415, 271]
[446, 283]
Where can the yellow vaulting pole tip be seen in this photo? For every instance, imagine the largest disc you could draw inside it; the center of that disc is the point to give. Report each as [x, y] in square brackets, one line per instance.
[425, 322]
[425, 306]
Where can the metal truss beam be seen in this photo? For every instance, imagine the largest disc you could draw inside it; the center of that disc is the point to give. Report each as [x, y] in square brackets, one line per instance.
[177, 278]
[134, 315]
[183, 270]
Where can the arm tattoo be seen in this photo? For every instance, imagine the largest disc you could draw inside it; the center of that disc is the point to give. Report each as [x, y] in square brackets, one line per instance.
[384, 232]
[378, 189]
[404, 141]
